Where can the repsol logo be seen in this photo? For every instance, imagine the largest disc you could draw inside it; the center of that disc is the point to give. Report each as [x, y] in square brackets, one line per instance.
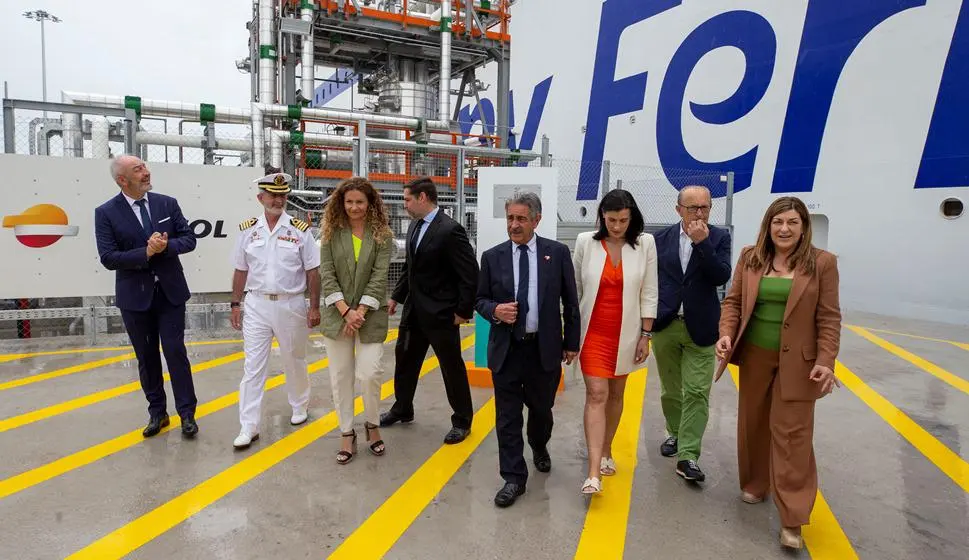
[205, 228]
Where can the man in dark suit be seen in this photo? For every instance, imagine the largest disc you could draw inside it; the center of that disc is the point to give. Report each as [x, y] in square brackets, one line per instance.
[521, 284]
[693, 259]
[436, 286]
[140, 236]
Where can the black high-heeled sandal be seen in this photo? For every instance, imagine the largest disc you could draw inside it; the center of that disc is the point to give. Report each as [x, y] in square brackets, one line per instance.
[377, 447]
[344, 457]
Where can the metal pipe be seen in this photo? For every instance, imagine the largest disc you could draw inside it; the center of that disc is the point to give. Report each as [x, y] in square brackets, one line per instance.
[307, 62]
[267, 53]
[278, 137]
[73, 137]
[161, 108]
[100, 133]
[444, 80]
[194, 141]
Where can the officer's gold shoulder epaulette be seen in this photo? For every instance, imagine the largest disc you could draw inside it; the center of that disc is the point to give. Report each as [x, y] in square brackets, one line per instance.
[246, 224]
[299, 224]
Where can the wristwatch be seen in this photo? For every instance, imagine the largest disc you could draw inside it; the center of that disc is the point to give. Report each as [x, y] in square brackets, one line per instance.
[647, 334]
[234, 304]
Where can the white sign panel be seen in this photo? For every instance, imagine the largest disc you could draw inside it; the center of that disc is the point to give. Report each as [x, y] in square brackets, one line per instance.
[49, 207]
[498, 184]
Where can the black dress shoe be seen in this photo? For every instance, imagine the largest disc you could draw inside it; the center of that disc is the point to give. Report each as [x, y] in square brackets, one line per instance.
[508, 493]
[668, 448]
[456, 435]
[189, 427]
[543, 462]
[155, 425]
[690, 471]
[390, 418]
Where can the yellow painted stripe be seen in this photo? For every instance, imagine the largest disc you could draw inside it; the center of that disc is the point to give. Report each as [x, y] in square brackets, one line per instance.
[8, 357]
[375, 537]
[604, 532]
[823, 535]
[56, 468]
[942, 374]
[941, 456]
[65, 371]
[101, 396]
[963, 345]
[132, 536]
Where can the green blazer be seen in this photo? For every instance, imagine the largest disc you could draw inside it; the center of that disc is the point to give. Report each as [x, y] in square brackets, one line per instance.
[357, 282]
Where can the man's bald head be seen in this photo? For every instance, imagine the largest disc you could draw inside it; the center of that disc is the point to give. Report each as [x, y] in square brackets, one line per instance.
[694, 203]
[132, 175]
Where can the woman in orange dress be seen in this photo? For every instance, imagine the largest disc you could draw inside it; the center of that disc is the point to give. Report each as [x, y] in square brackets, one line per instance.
[616, 278]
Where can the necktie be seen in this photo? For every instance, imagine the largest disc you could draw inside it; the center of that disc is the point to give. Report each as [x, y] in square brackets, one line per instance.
[145, 219]
[414, 238]
[522, 296]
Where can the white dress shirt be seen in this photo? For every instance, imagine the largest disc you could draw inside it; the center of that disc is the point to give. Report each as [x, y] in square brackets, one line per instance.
[686, 251]
[426, 221]
[276, 260]
[136, 209]
[531, 317]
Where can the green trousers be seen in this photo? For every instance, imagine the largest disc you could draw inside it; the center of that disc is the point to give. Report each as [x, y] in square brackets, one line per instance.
[686, 375]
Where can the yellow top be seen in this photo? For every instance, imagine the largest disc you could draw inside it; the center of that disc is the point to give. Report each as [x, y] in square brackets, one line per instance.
[357, 243]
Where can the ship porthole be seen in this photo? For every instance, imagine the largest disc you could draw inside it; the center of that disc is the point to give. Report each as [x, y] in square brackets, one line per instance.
[951, 208]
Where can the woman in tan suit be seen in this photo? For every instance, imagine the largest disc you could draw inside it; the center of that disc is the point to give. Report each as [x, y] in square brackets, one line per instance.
[781, 324]
[356, 247]
[617, 285]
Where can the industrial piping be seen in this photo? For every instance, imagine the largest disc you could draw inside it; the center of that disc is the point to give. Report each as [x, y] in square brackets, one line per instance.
[307, 62]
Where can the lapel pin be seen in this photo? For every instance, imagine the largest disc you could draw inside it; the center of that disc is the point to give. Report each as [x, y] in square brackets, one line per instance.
[548, 258]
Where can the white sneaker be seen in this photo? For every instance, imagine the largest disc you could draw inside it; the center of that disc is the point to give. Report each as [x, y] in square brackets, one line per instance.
[244, 440]
[299, 416]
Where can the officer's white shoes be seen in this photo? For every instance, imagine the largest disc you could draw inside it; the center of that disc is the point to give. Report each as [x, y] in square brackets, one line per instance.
[244, 440]
[299, 416]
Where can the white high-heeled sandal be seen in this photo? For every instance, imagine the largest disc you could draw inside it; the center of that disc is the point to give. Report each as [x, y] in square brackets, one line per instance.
[592, 486]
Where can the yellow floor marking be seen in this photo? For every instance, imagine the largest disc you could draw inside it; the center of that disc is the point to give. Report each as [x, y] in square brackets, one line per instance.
[101, 396]
[823, 535]
[9, 357]
[65, 371]
[941, 456]
[132, 536]
[963, 345]
[921, 363]
[22, 481]
[375, 537]
[604, 532]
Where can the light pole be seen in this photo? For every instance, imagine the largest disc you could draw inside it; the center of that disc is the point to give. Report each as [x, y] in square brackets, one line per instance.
[42, 16]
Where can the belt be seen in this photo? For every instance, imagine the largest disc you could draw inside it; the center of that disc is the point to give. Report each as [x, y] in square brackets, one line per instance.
[274, 297]
[527, 337]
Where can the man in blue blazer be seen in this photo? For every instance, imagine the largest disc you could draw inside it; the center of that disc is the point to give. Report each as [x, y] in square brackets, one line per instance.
[140, 236]
[521, 284]
[693, 258]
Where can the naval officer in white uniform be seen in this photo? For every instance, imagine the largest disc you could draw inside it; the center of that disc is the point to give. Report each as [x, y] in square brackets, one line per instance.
[275, 260]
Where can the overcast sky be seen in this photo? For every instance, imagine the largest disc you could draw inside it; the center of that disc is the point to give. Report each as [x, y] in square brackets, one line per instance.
[175, 50]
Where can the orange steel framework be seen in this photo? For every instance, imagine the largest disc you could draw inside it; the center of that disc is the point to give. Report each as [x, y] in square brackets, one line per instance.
[457, 26]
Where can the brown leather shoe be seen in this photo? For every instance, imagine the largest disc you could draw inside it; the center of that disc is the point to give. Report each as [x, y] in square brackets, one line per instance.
[791, 537]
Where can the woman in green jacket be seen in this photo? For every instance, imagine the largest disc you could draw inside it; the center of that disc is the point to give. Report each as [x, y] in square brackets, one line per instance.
[355, 252]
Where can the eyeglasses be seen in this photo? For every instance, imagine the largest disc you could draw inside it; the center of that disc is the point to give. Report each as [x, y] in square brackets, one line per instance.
[695, 209]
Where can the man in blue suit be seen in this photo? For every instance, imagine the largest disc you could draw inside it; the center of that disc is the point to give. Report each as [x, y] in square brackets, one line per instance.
[140, 236]
[693, 258]
[520, 287]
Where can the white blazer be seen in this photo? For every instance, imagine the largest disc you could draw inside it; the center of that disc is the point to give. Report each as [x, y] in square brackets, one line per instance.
[640, 290]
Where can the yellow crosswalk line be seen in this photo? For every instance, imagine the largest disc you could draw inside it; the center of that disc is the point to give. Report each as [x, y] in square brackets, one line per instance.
[27, 479]
[65, 371]
[132, 536]
[923, 364]
[606, 521]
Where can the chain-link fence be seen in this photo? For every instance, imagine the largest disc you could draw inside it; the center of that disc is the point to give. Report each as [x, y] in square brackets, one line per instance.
[79, 131]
